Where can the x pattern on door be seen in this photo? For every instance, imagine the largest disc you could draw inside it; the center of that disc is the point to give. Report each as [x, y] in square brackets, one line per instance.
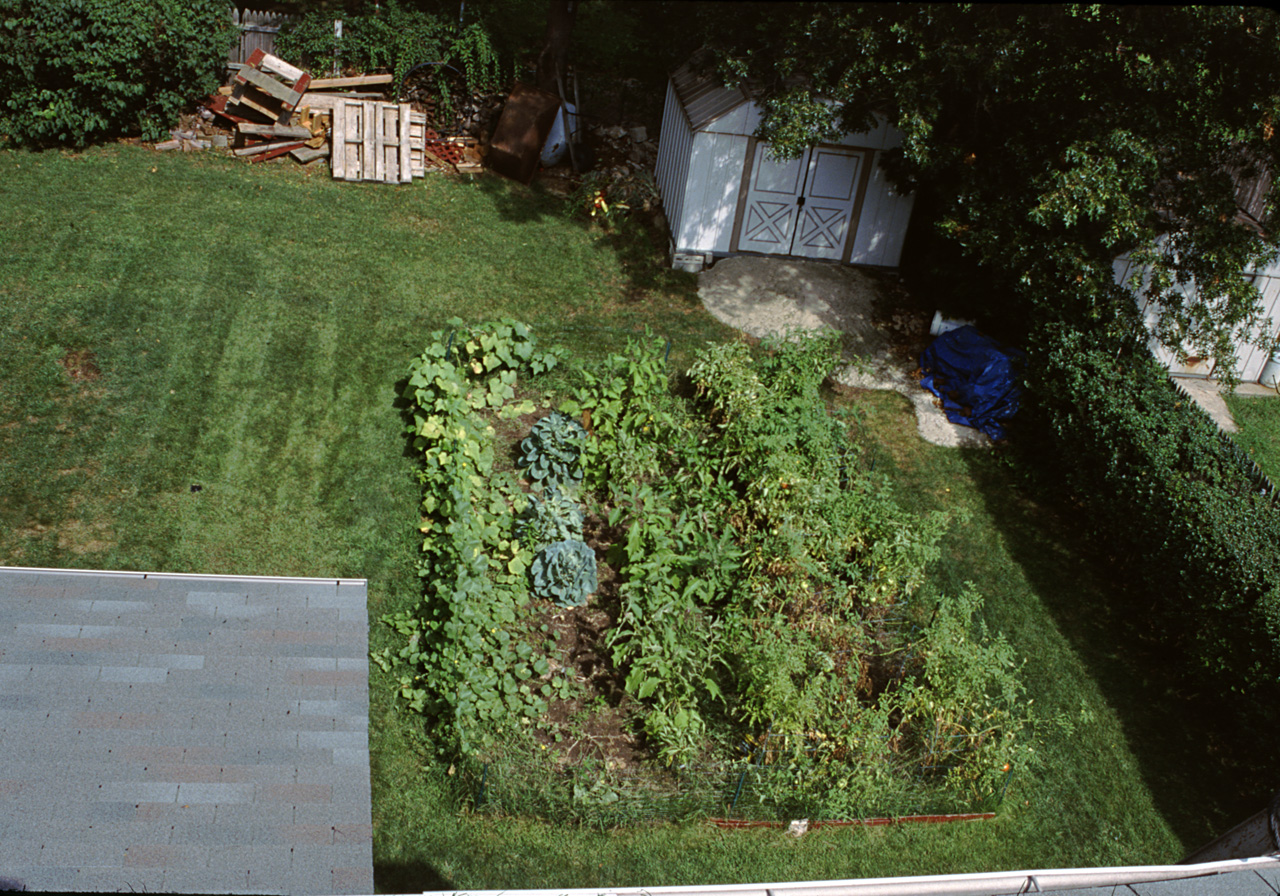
[769, 222]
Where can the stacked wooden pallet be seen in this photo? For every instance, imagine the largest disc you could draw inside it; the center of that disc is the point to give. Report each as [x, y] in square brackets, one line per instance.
[376, 141]
[268, 86]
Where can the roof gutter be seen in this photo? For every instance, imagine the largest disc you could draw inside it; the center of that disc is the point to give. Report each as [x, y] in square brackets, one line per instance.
[982, 884]
[180, 576]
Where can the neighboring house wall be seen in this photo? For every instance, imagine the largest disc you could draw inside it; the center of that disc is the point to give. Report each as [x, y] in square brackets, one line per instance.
[1250, 358]
[723, 194]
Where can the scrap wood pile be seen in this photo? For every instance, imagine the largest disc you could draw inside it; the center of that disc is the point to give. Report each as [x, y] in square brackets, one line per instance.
[273, 108]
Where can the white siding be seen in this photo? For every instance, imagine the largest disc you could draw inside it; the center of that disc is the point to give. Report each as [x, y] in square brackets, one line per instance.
[1252, 358]
[714, 179]
[675, 142]
[1249, 358]
[882, 226]
[882, 136]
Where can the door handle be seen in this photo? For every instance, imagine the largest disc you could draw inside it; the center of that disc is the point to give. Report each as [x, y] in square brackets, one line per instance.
[800, 201]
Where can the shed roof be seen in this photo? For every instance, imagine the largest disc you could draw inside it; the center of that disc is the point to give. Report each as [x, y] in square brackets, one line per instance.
[701, 95]
[183, 734]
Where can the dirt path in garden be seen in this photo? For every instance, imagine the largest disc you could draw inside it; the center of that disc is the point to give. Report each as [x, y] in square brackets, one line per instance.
[884, 331]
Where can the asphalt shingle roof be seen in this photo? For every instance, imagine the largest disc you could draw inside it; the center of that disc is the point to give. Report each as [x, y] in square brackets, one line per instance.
[183, 734]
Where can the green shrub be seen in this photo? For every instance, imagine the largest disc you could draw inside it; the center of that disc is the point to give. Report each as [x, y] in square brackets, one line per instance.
[393, 39]
[80, 71]
[1199, 537]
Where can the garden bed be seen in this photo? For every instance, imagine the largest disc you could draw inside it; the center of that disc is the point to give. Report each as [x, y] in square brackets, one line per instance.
[658, 602]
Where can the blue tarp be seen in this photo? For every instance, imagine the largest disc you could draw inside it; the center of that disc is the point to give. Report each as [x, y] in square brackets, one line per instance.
[976, 378]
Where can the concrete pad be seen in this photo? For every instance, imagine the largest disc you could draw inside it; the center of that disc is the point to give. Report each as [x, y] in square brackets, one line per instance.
[771, 296]
[1209, 395]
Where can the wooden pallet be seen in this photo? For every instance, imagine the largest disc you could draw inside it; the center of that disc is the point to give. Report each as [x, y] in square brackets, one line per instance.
[372, 141]
[259, 88]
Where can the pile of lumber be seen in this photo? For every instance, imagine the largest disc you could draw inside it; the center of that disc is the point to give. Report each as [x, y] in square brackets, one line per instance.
[262, 104]
[275, 108]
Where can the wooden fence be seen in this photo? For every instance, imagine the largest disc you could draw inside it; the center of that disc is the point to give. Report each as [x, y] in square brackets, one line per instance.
[257, 32]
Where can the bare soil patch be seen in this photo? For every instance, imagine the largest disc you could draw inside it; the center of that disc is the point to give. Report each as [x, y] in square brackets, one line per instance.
[81, 366]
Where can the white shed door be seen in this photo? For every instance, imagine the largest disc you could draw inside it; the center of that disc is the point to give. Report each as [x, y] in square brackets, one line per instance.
[800, 206]
[826, 204]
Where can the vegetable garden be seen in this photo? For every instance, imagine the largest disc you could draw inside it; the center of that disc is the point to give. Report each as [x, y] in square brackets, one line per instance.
[665, 595]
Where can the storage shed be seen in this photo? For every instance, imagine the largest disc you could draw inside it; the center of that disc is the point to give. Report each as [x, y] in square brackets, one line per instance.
[723, 194]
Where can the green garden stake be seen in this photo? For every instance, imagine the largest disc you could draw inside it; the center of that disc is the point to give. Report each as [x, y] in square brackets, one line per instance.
[738, 791]
[667, 354]
[448, 349]
[1004, 787]
[484, 777]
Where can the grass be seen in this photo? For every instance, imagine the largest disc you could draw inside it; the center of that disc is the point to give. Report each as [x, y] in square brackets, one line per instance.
[171, 321]
[1259, 421]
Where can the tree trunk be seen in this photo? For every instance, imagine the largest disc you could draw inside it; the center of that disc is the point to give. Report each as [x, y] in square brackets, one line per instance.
[555, 47]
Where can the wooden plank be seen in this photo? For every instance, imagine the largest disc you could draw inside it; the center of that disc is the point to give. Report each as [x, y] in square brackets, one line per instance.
[359, 81]
[253, 104]
[307, 155]
[379, 142]
[266, 147]
[269, 86]
[278, 149]
[406, 164]
[338, 159]
[275, 130]
[369, 149]
[278, 66]
[326, 102]
[355, 140]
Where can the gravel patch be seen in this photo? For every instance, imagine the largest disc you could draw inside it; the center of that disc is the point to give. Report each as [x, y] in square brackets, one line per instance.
[772, 296]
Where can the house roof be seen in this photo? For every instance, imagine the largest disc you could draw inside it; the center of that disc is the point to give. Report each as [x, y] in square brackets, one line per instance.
[183, 734]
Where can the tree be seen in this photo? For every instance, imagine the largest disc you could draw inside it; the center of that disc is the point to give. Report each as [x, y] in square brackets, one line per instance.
[1047, 140]
[554, 58]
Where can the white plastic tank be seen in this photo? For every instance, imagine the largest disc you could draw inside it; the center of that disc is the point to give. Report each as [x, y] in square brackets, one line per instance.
[556, 147]
[1270, 376]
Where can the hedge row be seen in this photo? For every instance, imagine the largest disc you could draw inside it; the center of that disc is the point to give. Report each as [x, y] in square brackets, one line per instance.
[80, 71]
[1184, 512]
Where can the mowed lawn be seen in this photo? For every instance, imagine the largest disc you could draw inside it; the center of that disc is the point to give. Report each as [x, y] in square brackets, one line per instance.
[198, 368]
[1259, 420]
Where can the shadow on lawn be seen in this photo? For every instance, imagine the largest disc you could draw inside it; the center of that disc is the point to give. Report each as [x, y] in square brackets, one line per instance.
[638, 241]
[408, 877]
[1207, 756]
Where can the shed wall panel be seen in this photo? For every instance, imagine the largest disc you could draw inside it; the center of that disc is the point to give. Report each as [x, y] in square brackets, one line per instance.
[882, 226]
[715, 177]
[675, 142]
[734, 122]
[882, 136]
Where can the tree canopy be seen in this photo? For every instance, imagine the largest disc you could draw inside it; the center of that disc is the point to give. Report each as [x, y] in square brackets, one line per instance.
[1050, 139]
